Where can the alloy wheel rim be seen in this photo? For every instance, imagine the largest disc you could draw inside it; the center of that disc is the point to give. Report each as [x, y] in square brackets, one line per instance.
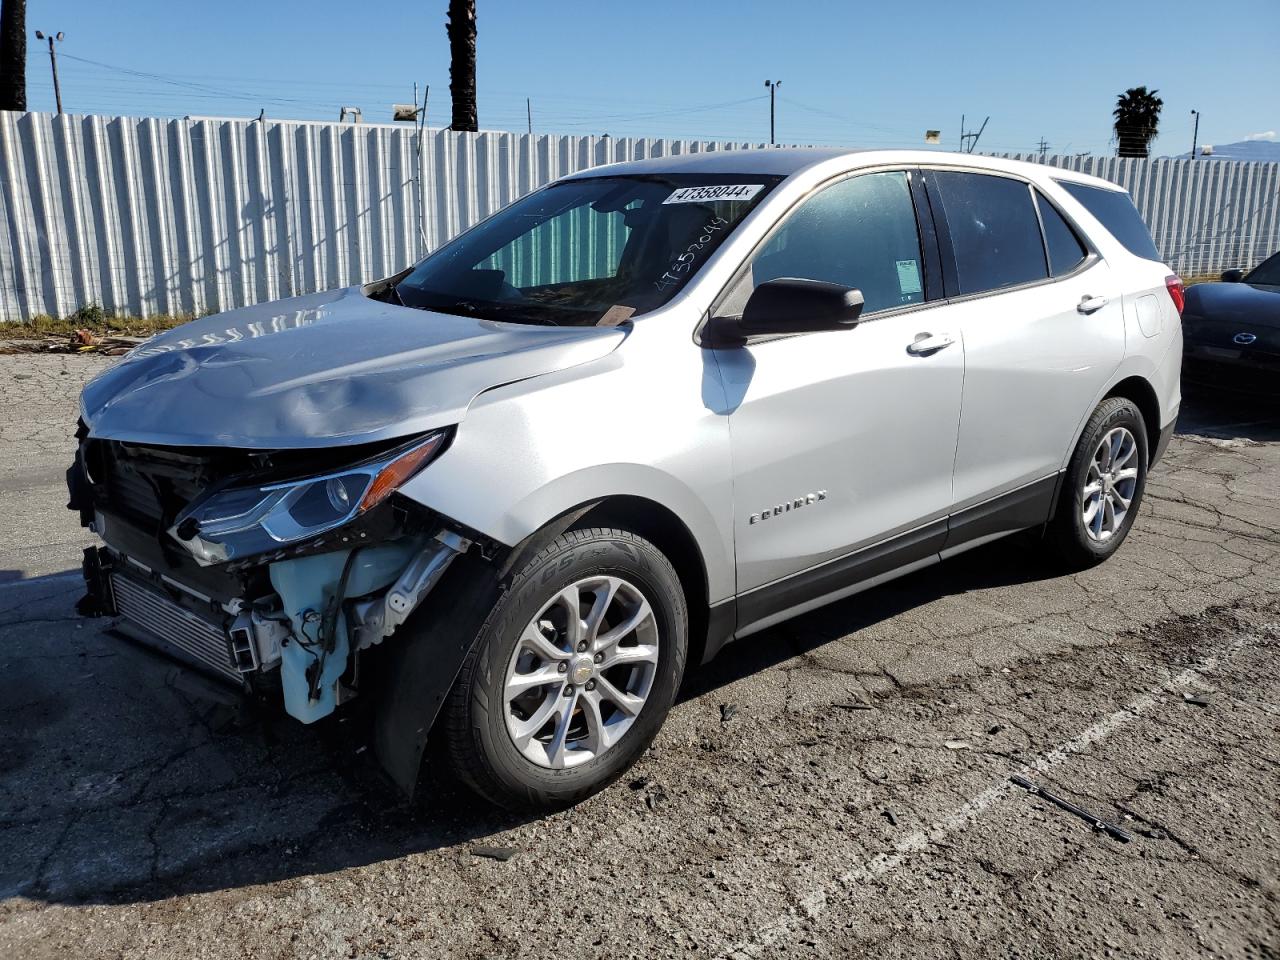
[1109, 485]
[581, 672]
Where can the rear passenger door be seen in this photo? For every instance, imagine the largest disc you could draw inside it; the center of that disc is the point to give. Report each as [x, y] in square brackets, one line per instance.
[1043, 331]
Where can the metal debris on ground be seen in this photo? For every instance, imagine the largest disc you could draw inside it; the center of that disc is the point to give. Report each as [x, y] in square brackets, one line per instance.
[1195, 699]
[890, 816]
[727, 711]
[1108, 828]
[956, 745]
[502, 854]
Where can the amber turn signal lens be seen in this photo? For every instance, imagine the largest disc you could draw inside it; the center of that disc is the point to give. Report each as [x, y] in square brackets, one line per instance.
[398, 471]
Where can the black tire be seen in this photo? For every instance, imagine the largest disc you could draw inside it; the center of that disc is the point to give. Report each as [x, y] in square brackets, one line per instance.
[1066, 536]
[480, 751]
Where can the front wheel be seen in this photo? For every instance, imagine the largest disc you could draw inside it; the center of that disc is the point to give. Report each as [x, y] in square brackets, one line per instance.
[572, 673]
[1103, 486]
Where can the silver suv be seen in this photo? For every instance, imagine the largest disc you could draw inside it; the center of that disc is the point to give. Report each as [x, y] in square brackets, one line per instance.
[507, 496]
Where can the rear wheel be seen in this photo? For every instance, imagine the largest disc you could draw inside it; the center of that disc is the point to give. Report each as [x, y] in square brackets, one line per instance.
[1103, 486]
[572, 674]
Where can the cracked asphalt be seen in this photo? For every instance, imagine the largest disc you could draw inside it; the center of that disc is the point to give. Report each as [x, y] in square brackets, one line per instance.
[836, 786]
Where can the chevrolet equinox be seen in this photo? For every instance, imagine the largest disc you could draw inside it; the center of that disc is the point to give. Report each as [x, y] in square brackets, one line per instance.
[507, 496]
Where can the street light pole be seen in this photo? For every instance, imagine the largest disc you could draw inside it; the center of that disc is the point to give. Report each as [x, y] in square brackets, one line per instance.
[53, 60]
[773, 86]
[1195, 133]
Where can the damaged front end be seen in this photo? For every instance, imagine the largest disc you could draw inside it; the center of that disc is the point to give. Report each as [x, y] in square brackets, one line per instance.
[269, 569]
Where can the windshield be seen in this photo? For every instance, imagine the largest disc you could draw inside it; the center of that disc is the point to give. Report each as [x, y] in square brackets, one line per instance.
[586, 252]
[1267, 272]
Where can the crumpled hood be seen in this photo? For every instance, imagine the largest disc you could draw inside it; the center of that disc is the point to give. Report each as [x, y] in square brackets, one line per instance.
[328, 369]
[1244, 304]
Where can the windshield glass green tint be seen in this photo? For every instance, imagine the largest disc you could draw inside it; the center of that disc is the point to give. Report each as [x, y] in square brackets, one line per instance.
[585, 252]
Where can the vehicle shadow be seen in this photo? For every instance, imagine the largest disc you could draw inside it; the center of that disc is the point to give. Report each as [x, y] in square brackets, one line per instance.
[1009, 561]
[123, 779]
[1221, 415]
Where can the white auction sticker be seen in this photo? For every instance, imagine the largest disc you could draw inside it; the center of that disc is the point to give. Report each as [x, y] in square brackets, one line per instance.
[719, 191]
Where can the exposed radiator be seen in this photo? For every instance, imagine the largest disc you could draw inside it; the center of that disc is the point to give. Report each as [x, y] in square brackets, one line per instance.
[206, 642]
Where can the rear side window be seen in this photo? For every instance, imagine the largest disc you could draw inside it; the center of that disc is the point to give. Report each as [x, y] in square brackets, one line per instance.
[1114, 209]
[995, 235]
[1065, 249]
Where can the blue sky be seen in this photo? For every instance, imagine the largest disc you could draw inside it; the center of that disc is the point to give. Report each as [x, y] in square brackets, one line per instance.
[858, 74]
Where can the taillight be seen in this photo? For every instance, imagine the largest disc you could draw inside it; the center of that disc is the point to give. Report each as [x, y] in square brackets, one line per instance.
[1174, 286]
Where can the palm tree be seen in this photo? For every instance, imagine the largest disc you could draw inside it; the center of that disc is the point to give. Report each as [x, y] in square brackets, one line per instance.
[461, 28]
[1137, 115]
[13, 54]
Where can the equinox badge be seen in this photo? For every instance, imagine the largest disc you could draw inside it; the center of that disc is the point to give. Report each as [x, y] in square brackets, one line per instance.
[782, 508]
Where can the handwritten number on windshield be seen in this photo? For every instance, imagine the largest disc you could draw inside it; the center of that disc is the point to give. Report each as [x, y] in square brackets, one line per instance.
[683, 265]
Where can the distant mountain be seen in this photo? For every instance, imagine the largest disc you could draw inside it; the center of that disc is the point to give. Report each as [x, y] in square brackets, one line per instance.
[1259, 151]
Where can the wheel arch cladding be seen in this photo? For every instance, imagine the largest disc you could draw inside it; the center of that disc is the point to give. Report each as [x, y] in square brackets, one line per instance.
[418, 668]
[1143, 395]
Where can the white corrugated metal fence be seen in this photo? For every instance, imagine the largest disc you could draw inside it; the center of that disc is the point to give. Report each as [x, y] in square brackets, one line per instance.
[1204, 215]
[147, 216]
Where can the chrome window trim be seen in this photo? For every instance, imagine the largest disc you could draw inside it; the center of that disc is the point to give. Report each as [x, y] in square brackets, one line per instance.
[1092, 257]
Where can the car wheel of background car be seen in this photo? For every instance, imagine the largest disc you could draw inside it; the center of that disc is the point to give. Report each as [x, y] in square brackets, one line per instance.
[572, 673]
[1103, 486]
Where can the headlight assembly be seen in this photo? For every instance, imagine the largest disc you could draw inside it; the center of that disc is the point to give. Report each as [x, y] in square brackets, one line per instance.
[239, 522]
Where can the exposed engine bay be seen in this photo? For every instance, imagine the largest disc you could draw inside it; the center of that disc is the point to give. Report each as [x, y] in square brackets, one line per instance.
[270, 569]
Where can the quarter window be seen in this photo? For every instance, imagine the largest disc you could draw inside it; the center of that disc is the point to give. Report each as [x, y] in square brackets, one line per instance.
[1065, 249]
[860, 233]
[995, 236]
[1114, 209]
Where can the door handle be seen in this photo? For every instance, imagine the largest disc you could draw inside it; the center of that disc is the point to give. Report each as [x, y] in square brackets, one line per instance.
[1091, 304]
[927, 343]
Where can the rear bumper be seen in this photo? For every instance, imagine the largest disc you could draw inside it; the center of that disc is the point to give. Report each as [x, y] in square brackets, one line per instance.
[1231, 369]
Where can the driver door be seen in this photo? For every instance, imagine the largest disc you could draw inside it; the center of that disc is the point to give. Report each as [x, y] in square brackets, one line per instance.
[843, 442]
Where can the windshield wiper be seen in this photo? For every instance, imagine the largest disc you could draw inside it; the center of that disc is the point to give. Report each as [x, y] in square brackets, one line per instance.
[488, 311]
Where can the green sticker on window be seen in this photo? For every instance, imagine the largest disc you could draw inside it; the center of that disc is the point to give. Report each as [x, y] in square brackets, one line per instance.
[909, 276]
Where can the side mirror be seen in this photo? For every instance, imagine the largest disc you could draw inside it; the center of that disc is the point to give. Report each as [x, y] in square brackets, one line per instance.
[788, 305]
[1232, 276]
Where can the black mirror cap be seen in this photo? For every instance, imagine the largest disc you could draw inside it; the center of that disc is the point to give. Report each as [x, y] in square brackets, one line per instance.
[1232, 276]
[791, 305]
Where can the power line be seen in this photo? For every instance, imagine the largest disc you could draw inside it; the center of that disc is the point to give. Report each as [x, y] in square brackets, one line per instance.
[160, 78]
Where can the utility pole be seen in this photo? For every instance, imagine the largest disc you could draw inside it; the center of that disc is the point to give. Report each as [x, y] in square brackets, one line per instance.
[528, 109]
[1044, 148]
[53, 60]
[970, 138]
[773, 86]
[1195, 133]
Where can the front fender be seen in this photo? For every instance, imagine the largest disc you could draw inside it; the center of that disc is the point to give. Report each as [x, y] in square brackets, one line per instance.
[531, 452]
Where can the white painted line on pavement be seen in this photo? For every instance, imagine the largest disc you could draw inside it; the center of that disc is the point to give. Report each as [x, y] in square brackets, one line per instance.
[813, 904]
